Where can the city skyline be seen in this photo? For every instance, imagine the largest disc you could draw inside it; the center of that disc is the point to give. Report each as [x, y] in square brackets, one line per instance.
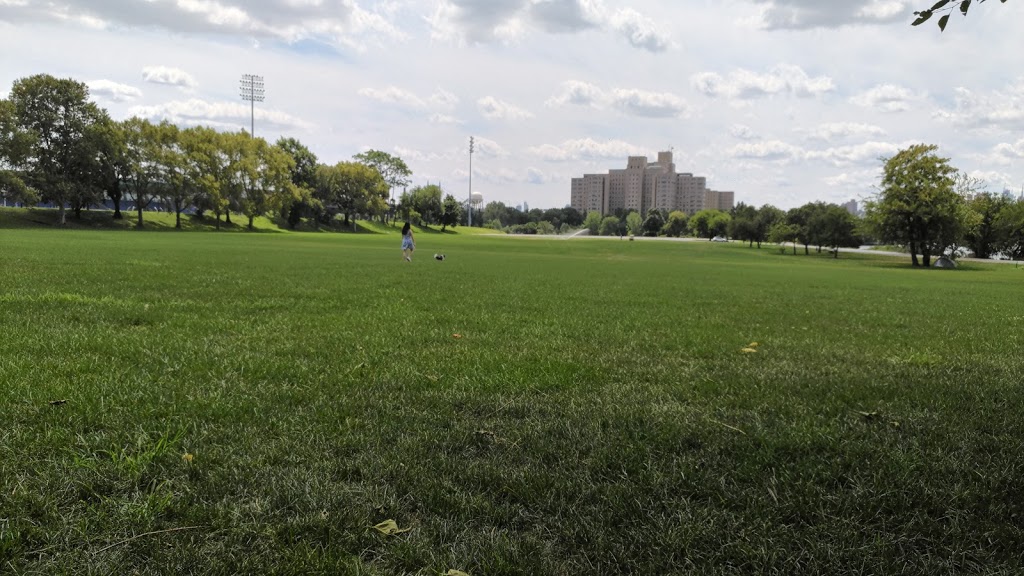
[786, 101]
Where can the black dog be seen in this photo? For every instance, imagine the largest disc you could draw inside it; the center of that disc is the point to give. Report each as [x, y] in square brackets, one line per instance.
[438, 256]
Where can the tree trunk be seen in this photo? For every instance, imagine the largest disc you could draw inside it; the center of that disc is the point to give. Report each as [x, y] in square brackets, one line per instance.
[227, 217]
[250, 222]
[926, 257]
[835, 252]
[807, 250]
[139, 210]
[794, 248]
[216, 216]
[78, 212]
[116, 198]
[758, 244]
[913, 254]
[61, 215]
[177, 219]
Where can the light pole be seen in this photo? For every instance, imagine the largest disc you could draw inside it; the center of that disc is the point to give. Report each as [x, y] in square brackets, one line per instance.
[469, 204]
[251, 90]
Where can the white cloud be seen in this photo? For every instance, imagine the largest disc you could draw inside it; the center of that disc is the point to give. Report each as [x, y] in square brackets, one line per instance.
[395, 96]
[745, 84]
[444, 119]
[225, 115]
[578, 93]
[742, 131]
[586, 149]
[841, 130]
[495, 109]
[801, 14]
[998, 110]
[168, 75]
[1010, 151]
[862, 154]
[113, 91]
[649, 104]
[476, 22]
[886, 97]
[769, 150]
[639, 30]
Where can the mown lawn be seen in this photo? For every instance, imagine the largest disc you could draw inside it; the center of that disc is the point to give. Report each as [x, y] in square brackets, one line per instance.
[254, 403]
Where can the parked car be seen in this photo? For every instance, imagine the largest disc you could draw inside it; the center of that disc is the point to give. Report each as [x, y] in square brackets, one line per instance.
[719, 239]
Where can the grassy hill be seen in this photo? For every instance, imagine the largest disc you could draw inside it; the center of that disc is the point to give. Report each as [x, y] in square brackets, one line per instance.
[23, 218]
[232, 403]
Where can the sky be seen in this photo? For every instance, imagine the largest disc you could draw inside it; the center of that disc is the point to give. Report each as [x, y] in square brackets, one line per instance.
[781, 101]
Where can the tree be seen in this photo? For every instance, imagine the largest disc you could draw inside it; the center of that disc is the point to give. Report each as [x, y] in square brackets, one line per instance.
[634, 223]
[653, 223]
[709, 223]
[943, 6]
[141, 162]
[803, 218]
[267, 179]
[592, 222]
[610, 226]
[392, 169]
[743, 226]
[545, 227]
[781, 232]
[205, 167]
[58, 116]
[767, 216]
[177, 189]
[1010, 226]
[426, 201]
[303, 174]
[675, 226]
[917, 205]
[16, 145]
[835, 228]
[451, 212]
[348, 187]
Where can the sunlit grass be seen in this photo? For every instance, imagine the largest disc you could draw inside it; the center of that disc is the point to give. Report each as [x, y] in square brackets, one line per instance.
[255, 403]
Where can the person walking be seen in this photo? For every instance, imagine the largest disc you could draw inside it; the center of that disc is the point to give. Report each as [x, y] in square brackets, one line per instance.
[408, 242]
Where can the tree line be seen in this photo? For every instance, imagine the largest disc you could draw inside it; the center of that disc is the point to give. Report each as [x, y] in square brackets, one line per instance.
[922, 204]
[58, 147]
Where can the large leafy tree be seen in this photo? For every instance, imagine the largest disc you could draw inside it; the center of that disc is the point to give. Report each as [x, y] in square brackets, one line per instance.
[917, 205]
[177, 189]
[206, 165]
[807, 225]
[835, 228]
[743, 226]
[709, 223]
[142, 153]
[675, 226]
[634, 223]
[592, 222]
[653, 224]
[392, 169]
[451, 212]
[303, 174]
[349, 187]
[1010, 226]
[767, 216]
[944, 7]
[15, 151]
[59, 118]
[426, 201]
[266, 179]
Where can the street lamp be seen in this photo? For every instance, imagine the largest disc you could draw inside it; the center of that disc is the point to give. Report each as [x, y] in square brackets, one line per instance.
[470, 203]
[251, 90]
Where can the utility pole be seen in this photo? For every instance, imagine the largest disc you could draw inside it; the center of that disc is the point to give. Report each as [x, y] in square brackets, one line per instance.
[251, 90]
[469, 204]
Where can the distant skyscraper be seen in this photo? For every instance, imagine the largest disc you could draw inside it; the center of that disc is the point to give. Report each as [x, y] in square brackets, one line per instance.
[851, 207]
[643, 185]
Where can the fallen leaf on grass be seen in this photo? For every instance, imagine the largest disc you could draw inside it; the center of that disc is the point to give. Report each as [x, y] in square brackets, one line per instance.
[869, 415]
[454, 572]
[748, 350]
[58, 402]
[187, 457]
[389, 528]
[456, 336]
[753, 345]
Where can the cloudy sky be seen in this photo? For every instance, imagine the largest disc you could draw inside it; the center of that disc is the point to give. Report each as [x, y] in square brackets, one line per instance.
[781, 101]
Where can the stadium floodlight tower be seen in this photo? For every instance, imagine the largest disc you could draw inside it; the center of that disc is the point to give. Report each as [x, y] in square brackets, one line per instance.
[252, 92]
[470, 181]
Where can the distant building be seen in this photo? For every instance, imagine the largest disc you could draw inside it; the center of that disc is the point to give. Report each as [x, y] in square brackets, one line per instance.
[643, 185]
[851, 207]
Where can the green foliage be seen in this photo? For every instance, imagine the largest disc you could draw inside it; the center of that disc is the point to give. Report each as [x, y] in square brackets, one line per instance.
[946, 6]
[392, 169]
[451, 212]
[424, 201]
[917, 204]
[835, 228]
[1009, 226]
[593, 222]
[611, 226]
[675, 226]
[781, 232]
[653, 223]
[634, 223]
[60, 123]
[709, 223]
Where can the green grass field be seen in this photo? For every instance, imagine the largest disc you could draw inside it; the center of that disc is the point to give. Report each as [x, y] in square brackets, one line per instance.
[255, 403]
